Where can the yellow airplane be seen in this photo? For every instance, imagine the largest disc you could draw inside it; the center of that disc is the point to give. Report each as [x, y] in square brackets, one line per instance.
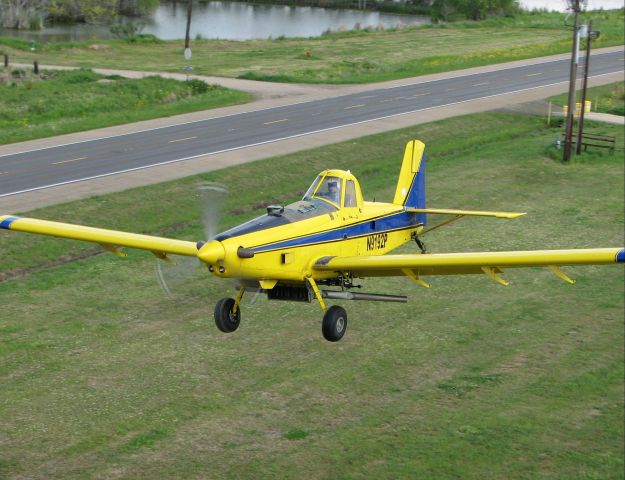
[316, 248]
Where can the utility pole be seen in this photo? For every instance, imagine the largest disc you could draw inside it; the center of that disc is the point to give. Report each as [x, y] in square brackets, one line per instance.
[186, 36]
[568, 136]
[187, 48]
[580, 126]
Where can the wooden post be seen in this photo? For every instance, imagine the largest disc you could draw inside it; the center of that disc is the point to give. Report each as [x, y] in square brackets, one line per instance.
[36, 67]
[549, 115]
[6, 60]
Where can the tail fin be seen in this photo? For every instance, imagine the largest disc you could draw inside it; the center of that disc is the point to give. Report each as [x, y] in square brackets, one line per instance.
[410, 190]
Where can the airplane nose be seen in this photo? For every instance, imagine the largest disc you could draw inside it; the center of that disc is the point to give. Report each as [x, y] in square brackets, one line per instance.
[212, 252]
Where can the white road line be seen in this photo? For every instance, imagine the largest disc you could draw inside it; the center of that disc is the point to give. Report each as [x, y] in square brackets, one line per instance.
[421, 94]
[533, 74]
[69, 161]
[480, 84]
[355, 106]
[181, 140]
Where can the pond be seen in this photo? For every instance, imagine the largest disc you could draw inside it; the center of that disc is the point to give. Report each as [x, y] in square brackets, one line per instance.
[234, 21]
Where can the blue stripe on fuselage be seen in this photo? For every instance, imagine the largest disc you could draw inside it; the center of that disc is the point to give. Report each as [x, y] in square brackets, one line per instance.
[393, 222]
[6, 223]
[620, 256]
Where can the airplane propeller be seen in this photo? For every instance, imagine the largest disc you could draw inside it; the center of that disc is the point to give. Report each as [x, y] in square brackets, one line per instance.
[176, 271]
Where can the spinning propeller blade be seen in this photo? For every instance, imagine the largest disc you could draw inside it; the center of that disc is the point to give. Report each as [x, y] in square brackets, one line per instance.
[173, 274]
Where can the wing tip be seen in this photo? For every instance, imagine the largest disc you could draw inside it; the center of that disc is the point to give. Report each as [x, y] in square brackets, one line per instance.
[7, 220]
[620, 256]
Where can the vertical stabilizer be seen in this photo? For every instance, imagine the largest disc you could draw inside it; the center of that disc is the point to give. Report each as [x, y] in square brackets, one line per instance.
[410, 190]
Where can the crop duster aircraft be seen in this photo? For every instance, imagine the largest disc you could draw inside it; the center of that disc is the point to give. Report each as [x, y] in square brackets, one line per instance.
[315, 249]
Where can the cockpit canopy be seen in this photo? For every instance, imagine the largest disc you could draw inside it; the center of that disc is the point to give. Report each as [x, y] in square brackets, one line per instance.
[331, 191]
[336, 187]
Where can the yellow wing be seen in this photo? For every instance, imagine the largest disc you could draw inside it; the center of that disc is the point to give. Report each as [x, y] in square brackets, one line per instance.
[108, 239]
[489, 263]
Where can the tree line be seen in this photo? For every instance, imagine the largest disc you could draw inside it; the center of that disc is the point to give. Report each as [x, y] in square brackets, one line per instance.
[31, 14]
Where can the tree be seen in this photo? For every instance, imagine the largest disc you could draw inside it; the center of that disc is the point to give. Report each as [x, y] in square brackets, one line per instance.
[20, 13]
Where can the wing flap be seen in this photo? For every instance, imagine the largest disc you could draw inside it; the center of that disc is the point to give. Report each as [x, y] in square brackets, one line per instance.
[109, 239]
[466, 263]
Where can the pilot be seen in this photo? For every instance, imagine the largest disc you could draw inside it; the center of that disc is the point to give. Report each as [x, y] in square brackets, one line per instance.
[333, 191]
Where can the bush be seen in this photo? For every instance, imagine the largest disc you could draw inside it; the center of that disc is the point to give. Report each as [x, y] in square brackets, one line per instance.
[198, 87]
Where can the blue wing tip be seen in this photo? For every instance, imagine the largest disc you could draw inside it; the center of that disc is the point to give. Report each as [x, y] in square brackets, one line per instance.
[6, 223]
[620, 256]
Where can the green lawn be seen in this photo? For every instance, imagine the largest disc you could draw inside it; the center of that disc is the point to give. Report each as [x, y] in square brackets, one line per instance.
[350, 57]
[54, 103]
[104, 377]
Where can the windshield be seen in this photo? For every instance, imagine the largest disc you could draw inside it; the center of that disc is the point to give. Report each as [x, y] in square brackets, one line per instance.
[295, 212]
[328, 189]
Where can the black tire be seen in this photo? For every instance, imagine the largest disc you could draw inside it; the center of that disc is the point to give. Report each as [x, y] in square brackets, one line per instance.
[225, 320]
[334, 323]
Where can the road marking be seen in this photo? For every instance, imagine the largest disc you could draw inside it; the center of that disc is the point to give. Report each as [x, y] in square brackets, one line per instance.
[69, 161]
[3, 173]
[276, 121]
[367, 96]
[232, 129]
[533, 74]
[355, 106]
[480, 84]
[181, 140]
[450, 89]
[265, 142]
[315, 114]
[420, 94]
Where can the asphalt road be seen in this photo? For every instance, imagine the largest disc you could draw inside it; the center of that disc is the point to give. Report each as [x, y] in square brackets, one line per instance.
[64, 164]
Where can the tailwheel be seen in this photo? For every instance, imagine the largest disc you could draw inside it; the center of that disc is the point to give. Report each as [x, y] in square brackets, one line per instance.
[226, 319]
[334, 323]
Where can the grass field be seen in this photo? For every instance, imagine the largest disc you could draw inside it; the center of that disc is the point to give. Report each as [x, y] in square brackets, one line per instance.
[54, 103]
[349, 57]
[103, 377]
[605, 99]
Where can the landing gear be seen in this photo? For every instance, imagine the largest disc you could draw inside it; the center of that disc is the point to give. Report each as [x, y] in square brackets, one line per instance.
[228, 313]
[334, 323]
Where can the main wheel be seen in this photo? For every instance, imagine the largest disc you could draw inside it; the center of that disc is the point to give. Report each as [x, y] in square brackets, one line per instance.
[225, 319]
[334, 323]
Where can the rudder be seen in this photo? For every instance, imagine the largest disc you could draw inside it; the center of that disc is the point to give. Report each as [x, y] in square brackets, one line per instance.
[410, 191]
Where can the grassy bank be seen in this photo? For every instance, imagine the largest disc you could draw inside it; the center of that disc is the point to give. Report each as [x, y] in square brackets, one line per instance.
[54, 103]
[605, 98]
[350, 57]
[103, 377]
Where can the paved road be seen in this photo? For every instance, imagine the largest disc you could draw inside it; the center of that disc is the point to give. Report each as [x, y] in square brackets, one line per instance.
[33, 170]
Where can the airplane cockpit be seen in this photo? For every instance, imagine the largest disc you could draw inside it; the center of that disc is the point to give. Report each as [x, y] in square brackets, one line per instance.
[337, 187]
[331, 191]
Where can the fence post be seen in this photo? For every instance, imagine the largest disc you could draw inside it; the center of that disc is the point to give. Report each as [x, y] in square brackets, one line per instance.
[6, 60]
[36, 67]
